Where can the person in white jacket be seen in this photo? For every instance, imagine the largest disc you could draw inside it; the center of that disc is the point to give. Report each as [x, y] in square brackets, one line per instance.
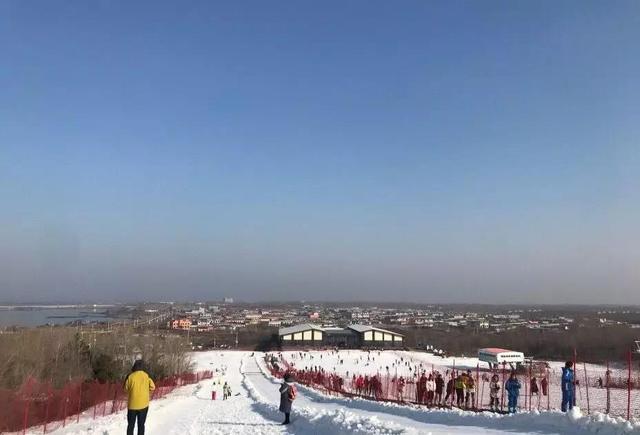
[431, 390]
[494, 393]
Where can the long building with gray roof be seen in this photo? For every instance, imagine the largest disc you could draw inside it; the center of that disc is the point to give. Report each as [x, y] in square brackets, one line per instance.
[351, 337]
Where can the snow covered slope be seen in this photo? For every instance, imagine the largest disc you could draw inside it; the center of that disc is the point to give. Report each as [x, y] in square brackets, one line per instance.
[401, 363]
[253, 409]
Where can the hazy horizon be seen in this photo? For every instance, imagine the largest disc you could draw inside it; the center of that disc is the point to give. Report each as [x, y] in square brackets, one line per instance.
[328, 303]
[417, 151]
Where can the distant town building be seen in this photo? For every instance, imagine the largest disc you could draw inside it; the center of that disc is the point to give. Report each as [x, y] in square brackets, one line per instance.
[181, 324]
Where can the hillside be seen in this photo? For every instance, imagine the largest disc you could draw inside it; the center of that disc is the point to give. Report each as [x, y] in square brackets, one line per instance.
[252, 409]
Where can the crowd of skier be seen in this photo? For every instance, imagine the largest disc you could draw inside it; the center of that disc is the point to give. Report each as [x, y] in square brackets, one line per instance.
[427, 387]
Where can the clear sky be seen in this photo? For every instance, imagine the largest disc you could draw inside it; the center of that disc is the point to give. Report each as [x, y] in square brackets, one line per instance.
[426, 151]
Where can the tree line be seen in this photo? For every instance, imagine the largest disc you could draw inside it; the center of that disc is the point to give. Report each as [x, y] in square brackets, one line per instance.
[592, 343]
[61, 354]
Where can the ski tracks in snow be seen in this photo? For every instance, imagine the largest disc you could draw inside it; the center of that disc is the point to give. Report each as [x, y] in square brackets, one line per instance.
[306, 417]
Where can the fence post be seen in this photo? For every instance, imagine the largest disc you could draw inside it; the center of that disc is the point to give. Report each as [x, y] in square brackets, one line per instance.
[548, 391]
[530, 392]
[46, 408]
[105, 389]
[113, 404]
[504, 371]
[527, 385]
[539, 392]
[387, 395]
[629, 386]
[481, 394]
[95, 403]
[79, 402]
[575, 372]
[607, 378]
[586, 385]
[475, 404]
[66, 400]
[25, 421]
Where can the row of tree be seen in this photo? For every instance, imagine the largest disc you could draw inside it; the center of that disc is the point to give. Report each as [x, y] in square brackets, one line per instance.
[61, 354]
[592, 343]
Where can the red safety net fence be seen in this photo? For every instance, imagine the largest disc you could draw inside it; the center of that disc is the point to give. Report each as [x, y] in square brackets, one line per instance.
[39, 404]
[610, 389]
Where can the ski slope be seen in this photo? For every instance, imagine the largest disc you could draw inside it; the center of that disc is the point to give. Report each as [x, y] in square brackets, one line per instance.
[253, 409]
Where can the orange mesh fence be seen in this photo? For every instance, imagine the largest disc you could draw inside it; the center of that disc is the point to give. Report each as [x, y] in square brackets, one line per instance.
[39, 404]
[613, 390]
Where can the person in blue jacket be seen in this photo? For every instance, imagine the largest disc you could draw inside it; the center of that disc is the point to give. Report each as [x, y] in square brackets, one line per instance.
[512, 387]
[568, 386]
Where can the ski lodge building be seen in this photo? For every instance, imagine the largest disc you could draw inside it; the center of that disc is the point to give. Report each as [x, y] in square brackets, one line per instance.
[352, 337]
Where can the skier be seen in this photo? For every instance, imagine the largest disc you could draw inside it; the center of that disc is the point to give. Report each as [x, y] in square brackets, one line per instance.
[494, 391]
[439, 388]
[226, 391]
[544, 384]
[430, 389]
[450, 388]
[459, 384]
[534, 386]
[470, 386]
[512, 386]
[137, 385]
[568, 388]
[376, 385]
[400, 387]
[359, 385]
[287, 396]
[421, 387]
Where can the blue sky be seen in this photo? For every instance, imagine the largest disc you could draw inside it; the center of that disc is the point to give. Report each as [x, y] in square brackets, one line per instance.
[416, 151]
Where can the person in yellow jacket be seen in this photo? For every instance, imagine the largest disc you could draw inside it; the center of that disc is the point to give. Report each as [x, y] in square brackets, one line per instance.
[470, 388]
[460, 384]
[138, 386]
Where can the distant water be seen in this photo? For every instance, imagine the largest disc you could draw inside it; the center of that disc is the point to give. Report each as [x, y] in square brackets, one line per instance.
[51, 316]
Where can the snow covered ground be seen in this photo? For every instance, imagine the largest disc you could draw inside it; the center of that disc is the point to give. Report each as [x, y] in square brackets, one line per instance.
[253, 409]
[365, 362]
[190, 410]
